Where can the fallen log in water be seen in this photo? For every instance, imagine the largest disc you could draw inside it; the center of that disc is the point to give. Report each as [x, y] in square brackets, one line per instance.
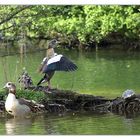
[60, 101]
[73, 101]
[128, 107]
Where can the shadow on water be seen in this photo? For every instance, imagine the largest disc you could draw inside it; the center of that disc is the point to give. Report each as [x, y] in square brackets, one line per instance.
[128, 115]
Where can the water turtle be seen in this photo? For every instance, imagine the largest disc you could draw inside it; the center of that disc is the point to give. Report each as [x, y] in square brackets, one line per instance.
[128, 94]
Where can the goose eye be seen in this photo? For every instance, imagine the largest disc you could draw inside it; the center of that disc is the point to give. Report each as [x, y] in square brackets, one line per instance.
[9, 84]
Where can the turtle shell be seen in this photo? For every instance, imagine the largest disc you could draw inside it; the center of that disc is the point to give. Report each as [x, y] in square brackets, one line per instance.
[128, 94]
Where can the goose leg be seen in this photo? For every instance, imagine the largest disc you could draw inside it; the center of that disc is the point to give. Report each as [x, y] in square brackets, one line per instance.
[49, 76]
[42, 80]
[49, 84]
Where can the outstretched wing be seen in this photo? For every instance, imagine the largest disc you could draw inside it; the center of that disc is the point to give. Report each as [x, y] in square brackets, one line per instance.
[59, 63]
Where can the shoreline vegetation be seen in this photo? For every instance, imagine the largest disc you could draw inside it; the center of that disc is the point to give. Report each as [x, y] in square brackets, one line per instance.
[80, 27]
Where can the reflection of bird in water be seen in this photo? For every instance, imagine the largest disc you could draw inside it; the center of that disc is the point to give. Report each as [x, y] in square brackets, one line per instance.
[54, 62]
[19, 107]
[17, 126]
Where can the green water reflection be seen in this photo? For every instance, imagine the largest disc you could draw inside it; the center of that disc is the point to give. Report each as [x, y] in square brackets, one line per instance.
[71, 124]
[104, 73]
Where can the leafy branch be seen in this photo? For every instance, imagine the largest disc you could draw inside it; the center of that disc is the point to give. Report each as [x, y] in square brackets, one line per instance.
[9, 17]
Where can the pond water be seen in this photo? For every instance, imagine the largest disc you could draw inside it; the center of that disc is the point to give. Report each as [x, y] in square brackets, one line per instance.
[104, 73]
[71, 124]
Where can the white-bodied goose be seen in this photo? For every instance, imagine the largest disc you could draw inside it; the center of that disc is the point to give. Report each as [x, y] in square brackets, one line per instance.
[54, 62]
[19, 107]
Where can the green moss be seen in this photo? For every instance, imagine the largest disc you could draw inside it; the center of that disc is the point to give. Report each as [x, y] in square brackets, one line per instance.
[30, 95]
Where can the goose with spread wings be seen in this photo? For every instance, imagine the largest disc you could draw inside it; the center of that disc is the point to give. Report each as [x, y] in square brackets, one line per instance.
[57, 63]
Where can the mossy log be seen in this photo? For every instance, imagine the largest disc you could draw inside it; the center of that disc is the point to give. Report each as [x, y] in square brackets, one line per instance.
[61, 101]
[73, 101]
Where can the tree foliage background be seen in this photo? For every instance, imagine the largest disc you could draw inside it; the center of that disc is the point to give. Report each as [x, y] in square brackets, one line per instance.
[84, 24]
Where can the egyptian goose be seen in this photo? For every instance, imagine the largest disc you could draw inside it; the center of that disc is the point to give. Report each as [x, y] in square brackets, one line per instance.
[54, 62]
[19, 107]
